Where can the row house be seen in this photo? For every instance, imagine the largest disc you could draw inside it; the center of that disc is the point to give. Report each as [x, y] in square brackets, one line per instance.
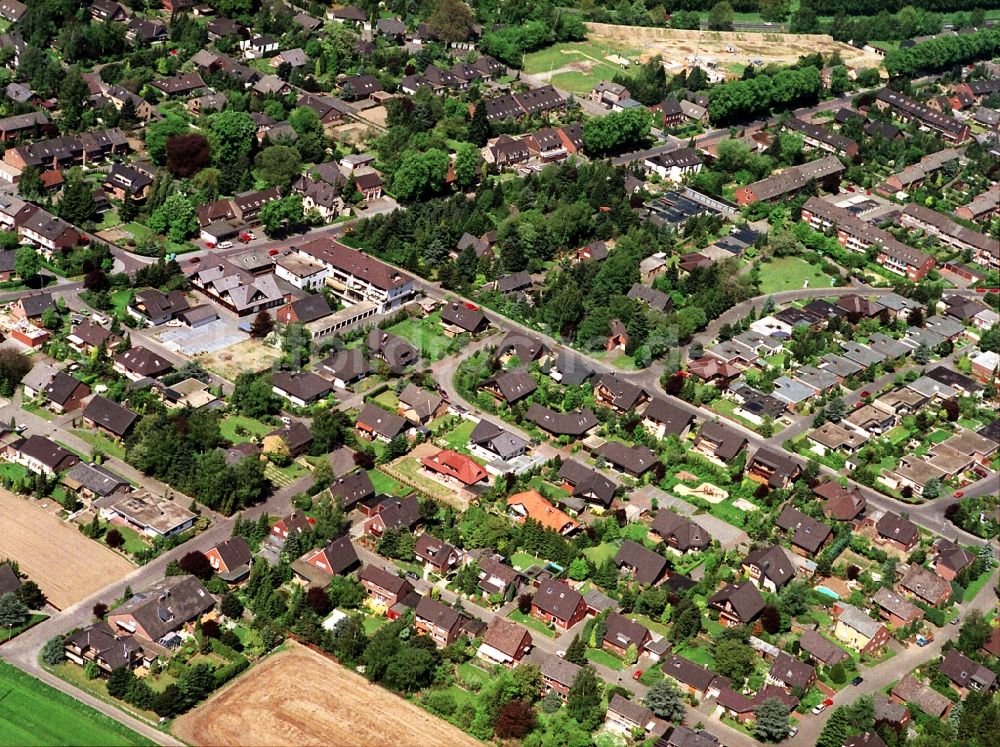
[70, 150]
[825, 171]
[908, 110]
[912, 176]
[985, 249]
[516, 105]
[674, 165]
[384, 589]
[358, 277]
[49, 233]
[821, 138]
[857, 235]
[30, 125]
[982, 206]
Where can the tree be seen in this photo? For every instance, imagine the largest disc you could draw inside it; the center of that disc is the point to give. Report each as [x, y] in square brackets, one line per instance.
[114, 538]
[974, 633]
[252, 396]
[27, 263]
[283, 215]
[411, 669]
[30, 184]
[187, 154]
[420, 174]
[617, 131]
[157, 133]
[197, 564]
[451, 21]
[584, 698]
[516, 719]
[277, 166]
[478, 131]
[721, 16]
[772, 721]
[467, 158]
[734, 659]
[261, 326]
[73, 95]
[837, 673]
[578, 569]
[234, 134]
[176, 218]
[664, 700]
[576, 652]
[77, 204]
[54, 651]
[231, 606]
[317, 599]
[13, 612]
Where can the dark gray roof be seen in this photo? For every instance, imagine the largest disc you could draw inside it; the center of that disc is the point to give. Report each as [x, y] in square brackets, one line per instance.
[110, 415]
[96, 478]
[680, 532]
[167, 605]
[557, 599]
[562, 423]
[647, 566]
[746, 601]
[385, 424]
[773, 563]
[346, 364]
[352, 488]
[311, 308]
[492, 437]
[588, 483]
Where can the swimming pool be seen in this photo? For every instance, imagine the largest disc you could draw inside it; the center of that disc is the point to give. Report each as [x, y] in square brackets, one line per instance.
[827, 592]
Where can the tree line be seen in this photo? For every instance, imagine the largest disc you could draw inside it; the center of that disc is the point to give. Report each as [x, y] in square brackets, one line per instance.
[942, 53]
[745, 99]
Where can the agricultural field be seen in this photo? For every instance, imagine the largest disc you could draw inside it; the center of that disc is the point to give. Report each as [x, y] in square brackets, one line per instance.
[32, 713]
[275, 703]
[32, 537]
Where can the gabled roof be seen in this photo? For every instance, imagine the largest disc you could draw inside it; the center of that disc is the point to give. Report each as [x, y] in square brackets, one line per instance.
[792, 671]
[62, 386]
[382, 423]
[588, 483]
[557, 599]
[399, 513]
[773, 563]
[744, 598]
[110, 415]
[662, 411]
[807, 533]
[301, 384]
[688, 673]
[635, 459]
[143, 361]
[965, 672]
[562, 423]
[895, 604]
[537, 508]
[450, 463]
[234, 552]
[437, 614]
[624, 394]
[928, 586]
[841, 503]
[647, 566]
[337, 556]
[422, 402]
[492, 437]
[166, 605]
[822, 649]
[513, 385]
[505, 636]
[382, 578]
[296, 434]
[895, 527]
[351, 488]
[347, 364]
[559, 670]
[463, 316]
[680, 532]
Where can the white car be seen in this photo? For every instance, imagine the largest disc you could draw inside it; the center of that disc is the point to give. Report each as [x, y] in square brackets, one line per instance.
[175, 323]
[225, 245]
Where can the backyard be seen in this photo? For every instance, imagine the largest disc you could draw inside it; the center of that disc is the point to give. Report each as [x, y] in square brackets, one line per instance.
[425, 334]
[791, 273]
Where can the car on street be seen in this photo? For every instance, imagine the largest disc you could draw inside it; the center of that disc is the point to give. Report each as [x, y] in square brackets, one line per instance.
[822, 706]
[959, 493]
[412, 575]
[637, 674]
[857, 680]
[226, 245]
[866, 393]
[793, 731]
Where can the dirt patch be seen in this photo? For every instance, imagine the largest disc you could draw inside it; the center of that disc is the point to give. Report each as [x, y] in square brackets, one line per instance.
[298, 697]
[249, 355]
[36, 539]
[725, 49]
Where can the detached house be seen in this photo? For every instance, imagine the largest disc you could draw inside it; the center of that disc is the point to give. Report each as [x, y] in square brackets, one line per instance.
[139, 363]
[896, 610]
[558, 675]
[855, 628]
[623, 633]
[440, 622]
[335, 558]
[719, 442]
[583, 482]
[301, 388]
[773, 469]
[558, 604]
[531, 505]
[452, 466]
[40, 455]
[294, 523]
[626, 717]
[679, 533]
[645, 566]
[162, 609]
[504, 643]
[694, 679]
[374, 423]
[787, 672]
[385, 589]
[926, 586]
[393, 514]
[110, 417]
[807, 535]
[768, 568]
[966, 674]
[437, 556]
[663, 418]
[231, 559]
[738, 604]
[897, 532]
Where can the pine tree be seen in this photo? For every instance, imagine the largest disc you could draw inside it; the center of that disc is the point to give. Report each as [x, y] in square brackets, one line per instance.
[664, 700]
[576, 652]
[479, 126]
[584, 699]
[772, 721]
[129, 210]
[77, 205]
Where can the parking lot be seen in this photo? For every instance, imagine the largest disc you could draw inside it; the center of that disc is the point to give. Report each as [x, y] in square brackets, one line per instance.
[208, 338]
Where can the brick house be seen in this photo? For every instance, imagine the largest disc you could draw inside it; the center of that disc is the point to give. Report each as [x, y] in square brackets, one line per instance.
[504, 643]
[385, 589]
[558, 604]
[441, 622]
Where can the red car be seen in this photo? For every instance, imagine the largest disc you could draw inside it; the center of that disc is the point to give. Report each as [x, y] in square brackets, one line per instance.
[637, 674]
[866, 393]
[272, 252]
[959, 493]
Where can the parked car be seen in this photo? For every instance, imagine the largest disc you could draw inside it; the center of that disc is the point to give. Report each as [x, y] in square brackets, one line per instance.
[857, 680]
[959, 493]
[412, 575]
[226, 245]
[637, 674]
[793, 731]
[822, 706]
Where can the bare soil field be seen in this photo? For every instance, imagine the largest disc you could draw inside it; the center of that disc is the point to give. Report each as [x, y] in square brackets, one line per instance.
[249, 355]
[725, 48]
[299, 697]
[34, 538]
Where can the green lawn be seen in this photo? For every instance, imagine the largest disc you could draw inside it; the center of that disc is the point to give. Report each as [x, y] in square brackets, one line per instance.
[100, 441]
[458, 438]
[524, 560]
[938, 436]
[790, 273]
[469, 672]
[976, 586]
[697, 654]
[140, 232]
[383, 484]
[589, 56]
[7, 633]
[32, 713]
[13, 471]
[602, 552]
[248, 428]
[119, 300]
[133, 540]
[371, 623]
[530, 622]
[34, 408]
[425, 334]
[605, 658]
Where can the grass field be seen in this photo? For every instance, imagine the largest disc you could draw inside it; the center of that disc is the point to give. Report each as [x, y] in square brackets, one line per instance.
[425, 334]
[277, 703]
[32, 536]
[458, 438]
[248, 428]
[577, 66]
[100, 441]
[791, 273]
[605, 551]
[32, 713]
[382, 483]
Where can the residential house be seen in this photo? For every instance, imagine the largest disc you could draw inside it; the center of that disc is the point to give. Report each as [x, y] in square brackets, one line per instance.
[351, 489]
[374, 423]
[925, 586]
[634, 460]
[162, 609]
[768, 568]
[393, 514]
[619, 394]
[64, 393]
[91, 481]
[461, 318]
[420, 406]
[965, 674]
[139, 362]
[855, 628]
[583, 482]
[307, 310]
[737, 603]
[807, 535]
[772, 468]
[497, 578]
[558, 675]
[789, 673]
[231, 559]
[575, 424]
[504, 643]
[294, 523]
[555, 602]
[912, 692]
[825, 171]
[626, 717]
[491, 442]
[643, 565]
[345, 368]
[301, 388]
[110, 417]
[335, 558]
[821, 650]
[396, 352]
[385, 589]
[531, 505]
[694, 679]
[107, 648]
[950, 559]
[437, 556]
[623, 633]
[895, 531]
[679, 533]
[896, 610]
[39, 455]
[292, 439]
[510, 386]
[151, 515]
[451, 466]
[719, 442]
